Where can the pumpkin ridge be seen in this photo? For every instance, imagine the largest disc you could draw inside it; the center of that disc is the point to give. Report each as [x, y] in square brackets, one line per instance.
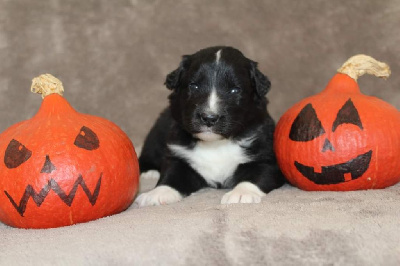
[54, 104]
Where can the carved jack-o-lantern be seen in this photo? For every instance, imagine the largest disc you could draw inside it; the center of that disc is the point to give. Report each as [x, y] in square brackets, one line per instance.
[341, 139]
[62, 167]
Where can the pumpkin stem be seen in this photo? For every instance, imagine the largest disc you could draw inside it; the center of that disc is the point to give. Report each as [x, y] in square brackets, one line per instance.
[358, 65]
[47, 84]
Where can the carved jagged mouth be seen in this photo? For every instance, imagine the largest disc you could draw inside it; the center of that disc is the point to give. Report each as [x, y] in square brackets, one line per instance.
[335, 174]
[39, 197]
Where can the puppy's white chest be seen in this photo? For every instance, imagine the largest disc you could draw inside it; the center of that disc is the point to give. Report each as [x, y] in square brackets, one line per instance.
[215, 160]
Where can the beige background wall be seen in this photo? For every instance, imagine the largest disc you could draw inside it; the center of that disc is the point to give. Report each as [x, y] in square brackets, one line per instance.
[113, 56]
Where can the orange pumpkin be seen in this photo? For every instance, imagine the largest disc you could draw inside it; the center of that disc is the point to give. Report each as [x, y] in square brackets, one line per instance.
[341, 139]
[62, 167]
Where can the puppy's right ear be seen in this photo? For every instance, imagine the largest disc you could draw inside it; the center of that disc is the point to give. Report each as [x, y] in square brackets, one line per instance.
[173, 78]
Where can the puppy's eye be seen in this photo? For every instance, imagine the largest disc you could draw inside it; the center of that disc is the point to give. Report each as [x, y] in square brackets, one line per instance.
[235, 90]
[193, 86]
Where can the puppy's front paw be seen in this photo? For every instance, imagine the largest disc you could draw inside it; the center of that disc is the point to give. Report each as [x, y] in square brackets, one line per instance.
[158, 196]
[244, 192]
[151, 174]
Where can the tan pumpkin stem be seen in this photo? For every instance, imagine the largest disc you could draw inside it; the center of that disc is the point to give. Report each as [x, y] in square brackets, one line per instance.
[358, 65]
[47, 84]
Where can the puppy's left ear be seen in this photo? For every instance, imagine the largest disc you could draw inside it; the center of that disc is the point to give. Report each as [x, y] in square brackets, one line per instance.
[173, 78]
[259, 81]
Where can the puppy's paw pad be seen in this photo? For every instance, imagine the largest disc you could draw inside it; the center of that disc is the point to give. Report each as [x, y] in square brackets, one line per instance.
[244, 192]
[151, 174]
[159, 196]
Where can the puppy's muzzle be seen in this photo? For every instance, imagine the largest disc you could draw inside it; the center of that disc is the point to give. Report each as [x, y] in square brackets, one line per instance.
[209, 119]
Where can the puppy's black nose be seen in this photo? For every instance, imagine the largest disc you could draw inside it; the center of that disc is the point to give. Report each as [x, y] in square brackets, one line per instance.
[209, 119]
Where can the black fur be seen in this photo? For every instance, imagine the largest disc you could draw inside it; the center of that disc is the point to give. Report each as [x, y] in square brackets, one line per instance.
[241, 89]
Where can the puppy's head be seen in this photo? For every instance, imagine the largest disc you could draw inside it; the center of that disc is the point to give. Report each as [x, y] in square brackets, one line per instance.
[217, 93]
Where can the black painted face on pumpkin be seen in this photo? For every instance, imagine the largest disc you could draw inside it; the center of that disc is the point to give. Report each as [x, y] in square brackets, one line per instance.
[16, 154]
[307, 127]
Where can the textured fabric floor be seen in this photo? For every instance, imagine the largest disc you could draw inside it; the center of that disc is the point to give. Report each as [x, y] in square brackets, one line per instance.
[289, 227]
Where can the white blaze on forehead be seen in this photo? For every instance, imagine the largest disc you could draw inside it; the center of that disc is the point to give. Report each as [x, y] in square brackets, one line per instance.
[213, 98]
[218, 56]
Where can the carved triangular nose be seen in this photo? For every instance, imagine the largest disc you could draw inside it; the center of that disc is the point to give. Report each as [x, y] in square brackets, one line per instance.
[327, 146]
[48, 166]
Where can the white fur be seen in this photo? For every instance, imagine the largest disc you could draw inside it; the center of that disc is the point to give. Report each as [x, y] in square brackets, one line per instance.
[213, 98]
[151, 174]
[213, 101]
[208, 136]
[218, 56]
[244, 192]
[214, 160]
[246, 142]
[158, 196]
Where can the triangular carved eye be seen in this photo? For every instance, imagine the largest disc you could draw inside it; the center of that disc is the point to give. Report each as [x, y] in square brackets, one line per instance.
[348, 114]
[16, 154]
[87, 139]
[306, 126]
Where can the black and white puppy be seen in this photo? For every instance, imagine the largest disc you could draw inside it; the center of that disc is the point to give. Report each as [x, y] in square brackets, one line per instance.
[216, 132]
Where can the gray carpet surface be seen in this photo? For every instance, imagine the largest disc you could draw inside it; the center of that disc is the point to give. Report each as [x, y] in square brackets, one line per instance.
[289, 227]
